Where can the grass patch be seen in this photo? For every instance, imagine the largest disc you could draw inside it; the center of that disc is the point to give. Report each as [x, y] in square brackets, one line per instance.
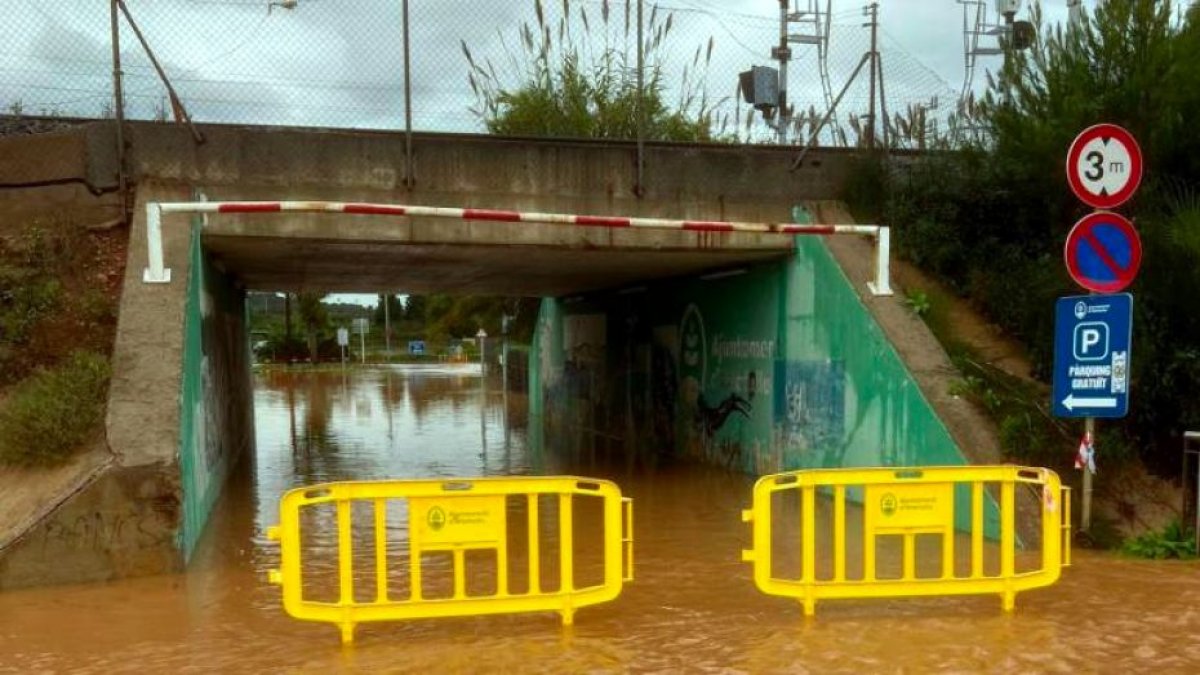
[48, 416]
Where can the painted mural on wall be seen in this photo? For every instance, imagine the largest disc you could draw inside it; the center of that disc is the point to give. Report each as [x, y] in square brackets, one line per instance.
[772, 367]
[726, 352]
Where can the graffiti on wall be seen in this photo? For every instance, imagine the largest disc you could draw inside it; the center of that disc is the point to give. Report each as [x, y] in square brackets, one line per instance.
[812, 412]
[773, 367]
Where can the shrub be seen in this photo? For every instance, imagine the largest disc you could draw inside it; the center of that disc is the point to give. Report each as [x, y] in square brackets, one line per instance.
[1171, 542]
[51, 413]
[918, 302]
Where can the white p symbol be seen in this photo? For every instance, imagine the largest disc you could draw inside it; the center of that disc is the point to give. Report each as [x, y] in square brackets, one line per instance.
[1091, 341]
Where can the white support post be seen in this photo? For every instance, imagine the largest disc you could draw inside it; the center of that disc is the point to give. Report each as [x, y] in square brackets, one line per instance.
[156, 273]
[882, 284]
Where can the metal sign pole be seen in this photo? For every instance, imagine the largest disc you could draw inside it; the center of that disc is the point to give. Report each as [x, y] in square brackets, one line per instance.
[1104, 169]
[1191, 503]
[387, 327]
[1085, 514]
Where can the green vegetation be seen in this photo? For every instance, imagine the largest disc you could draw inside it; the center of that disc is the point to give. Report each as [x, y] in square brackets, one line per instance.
[586, 86]
[48, 416]
[991, 218]
[1170, 542]
[57, 293]
[918, 302]
[29, 290]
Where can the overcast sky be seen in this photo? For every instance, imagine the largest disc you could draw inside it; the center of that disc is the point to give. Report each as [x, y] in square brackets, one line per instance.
[339, 62]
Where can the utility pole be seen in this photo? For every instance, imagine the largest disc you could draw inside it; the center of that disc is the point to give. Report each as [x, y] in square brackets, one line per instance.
[641, 105]
[387, 327]
[1075, 7]
[872, 10]
[783, 54]
[409, 179]
[119, 105]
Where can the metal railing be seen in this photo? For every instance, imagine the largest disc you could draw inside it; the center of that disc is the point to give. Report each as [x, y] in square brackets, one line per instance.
[903, 504]
[455, 517]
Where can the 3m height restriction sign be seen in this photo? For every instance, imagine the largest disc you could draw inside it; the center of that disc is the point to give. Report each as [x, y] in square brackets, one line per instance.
[1104, 166]
[1092, 338]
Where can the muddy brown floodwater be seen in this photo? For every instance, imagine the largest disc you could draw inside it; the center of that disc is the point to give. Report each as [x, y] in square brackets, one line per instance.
[693, 606]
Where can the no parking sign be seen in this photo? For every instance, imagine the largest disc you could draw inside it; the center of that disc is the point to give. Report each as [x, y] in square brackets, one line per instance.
[1103, 252]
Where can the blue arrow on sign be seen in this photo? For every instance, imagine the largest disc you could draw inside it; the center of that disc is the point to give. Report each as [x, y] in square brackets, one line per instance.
[1092, 340]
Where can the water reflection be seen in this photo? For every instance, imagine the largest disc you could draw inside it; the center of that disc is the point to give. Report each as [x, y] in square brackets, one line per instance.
[394, 422]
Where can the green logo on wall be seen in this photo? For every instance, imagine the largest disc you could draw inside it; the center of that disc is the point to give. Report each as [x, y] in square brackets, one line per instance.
[887, 504]
[693, 345]
[436, 518]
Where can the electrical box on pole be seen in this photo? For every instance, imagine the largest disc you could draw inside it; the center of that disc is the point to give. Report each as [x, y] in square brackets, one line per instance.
[760, 87]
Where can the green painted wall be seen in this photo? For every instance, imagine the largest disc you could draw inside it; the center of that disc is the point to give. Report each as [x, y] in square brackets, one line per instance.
[766, 368]
[216, 417]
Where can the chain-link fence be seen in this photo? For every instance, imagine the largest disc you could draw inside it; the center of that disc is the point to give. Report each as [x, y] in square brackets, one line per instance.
[337, 63]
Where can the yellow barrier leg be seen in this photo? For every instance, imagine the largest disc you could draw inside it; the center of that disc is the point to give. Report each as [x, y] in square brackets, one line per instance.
[347, 633]
[1008, 543]
[977, 530]
[535, 575]
[381, 572]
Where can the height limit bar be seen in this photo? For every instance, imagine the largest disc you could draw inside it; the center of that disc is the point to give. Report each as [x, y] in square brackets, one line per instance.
[157, 273]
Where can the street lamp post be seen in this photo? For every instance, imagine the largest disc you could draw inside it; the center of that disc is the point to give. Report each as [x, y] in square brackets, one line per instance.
[482, 337]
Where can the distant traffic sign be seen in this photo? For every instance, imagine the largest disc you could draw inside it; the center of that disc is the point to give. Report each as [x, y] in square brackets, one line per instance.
[1104, 166]
[1103, 252]
[1092, 339]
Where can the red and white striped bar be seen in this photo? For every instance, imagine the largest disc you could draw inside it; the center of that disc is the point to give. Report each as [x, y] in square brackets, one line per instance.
[157, 273]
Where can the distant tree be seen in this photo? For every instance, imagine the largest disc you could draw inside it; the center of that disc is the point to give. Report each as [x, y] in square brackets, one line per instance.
[576, 88]
[414, 308]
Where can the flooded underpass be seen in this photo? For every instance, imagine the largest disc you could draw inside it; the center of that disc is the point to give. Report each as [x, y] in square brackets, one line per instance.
[692, 607]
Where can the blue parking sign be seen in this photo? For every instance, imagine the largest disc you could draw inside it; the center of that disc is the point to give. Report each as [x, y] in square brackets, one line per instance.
[1092, 341]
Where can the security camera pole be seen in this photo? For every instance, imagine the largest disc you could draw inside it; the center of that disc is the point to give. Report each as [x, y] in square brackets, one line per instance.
[783, 54]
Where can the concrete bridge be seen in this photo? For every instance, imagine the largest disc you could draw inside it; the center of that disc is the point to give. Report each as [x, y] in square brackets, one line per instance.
[776, 332]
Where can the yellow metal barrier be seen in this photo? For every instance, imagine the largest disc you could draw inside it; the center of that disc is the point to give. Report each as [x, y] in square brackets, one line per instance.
[449, 516]
[901, 504]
